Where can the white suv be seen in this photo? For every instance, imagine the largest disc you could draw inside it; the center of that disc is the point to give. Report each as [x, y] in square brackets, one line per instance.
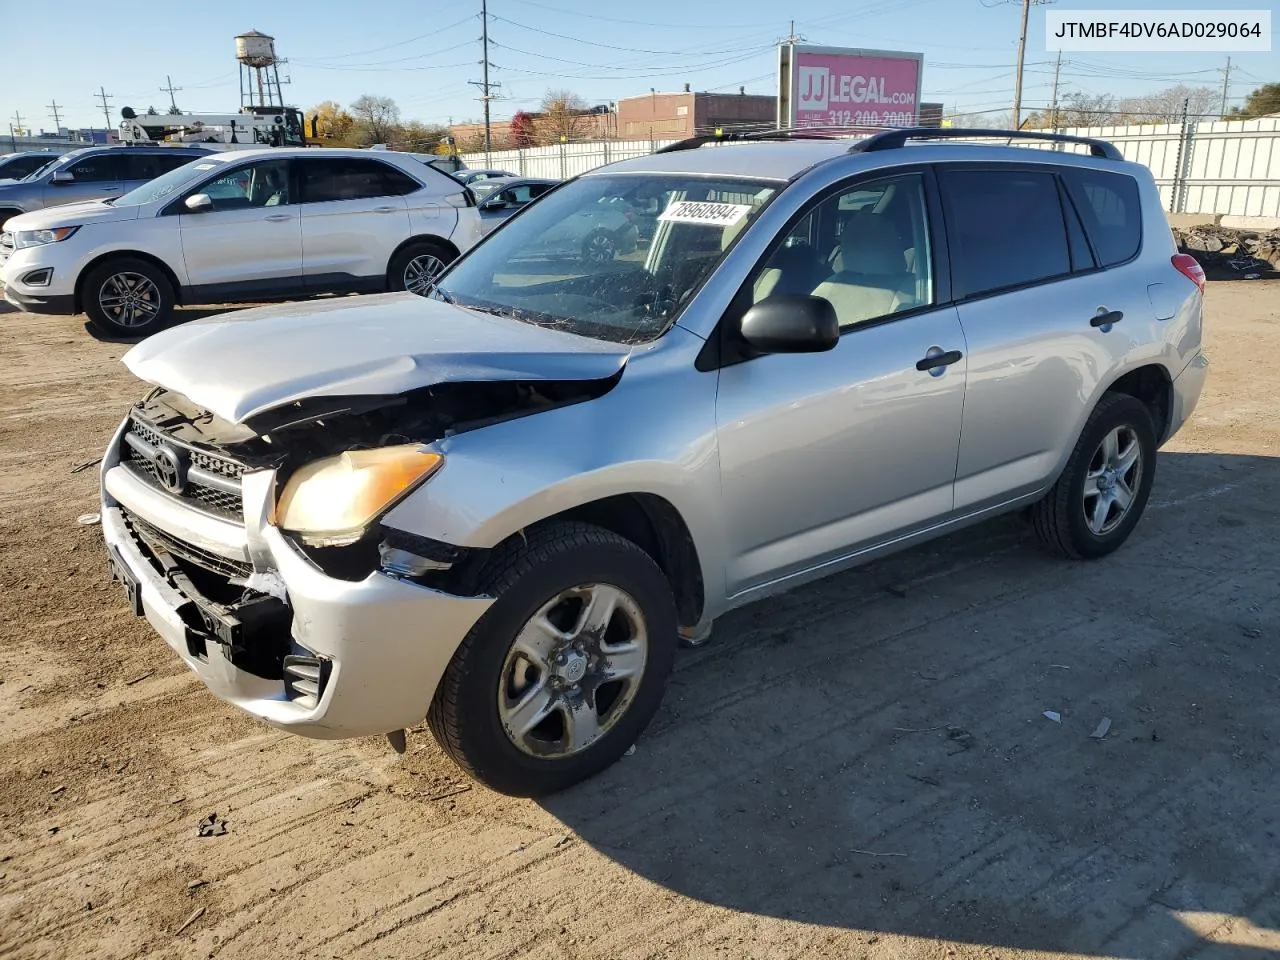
[241, 225]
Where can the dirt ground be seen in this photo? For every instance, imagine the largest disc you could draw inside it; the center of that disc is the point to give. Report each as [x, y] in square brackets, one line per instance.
[859, 769]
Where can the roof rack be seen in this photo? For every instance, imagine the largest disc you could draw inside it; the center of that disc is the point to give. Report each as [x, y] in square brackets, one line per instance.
[892, 139]
[816, 132]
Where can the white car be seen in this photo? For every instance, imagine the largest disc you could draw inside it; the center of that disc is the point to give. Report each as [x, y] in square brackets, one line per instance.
[236, 226]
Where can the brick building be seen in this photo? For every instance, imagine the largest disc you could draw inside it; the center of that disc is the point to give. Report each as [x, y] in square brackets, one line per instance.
[662, 116]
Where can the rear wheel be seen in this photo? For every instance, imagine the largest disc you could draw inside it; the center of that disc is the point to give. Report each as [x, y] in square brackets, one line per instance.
[418, 266]
[127, 297]
[565, 670]
[1101, 494]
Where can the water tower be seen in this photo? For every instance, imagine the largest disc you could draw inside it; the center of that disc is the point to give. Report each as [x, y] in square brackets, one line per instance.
[259, 73]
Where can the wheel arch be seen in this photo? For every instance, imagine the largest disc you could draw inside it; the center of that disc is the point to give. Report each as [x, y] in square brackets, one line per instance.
[1152, 385]
[432, 238]
[653, 524]
[121, 254]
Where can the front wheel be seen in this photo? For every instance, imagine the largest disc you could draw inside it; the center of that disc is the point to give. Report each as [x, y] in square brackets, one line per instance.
[565, 670]
[1101, 494]
[127, 297]
[417, 267]
[599, 247]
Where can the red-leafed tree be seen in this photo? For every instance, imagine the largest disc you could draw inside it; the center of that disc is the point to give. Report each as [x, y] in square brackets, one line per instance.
[522, 134]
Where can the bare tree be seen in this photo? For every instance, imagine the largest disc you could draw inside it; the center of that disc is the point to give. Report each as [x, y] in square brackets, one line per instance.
[564, 116]
[986, 120]
[1165, 106]
[1079, 109]
[377, 118]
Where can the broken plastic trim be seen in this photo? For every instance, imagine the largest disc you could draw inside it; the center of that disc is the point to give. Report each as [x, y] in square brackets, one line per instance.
[440, 566]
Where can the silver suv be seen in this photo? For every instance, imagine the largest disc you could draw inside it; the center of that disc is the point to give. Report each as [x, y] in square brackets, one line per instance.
[500, 507]
[92, 173]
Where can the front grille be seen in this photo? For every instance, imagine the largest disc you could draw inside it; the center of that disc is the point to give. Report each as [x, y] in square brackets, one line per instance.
[154, 537]
[212, 499]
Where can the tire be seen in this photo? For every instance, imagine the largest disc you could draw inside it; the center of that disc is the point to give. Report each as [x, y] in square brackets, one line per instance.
[599, 247]
[527, 576]
[1073, 522]
[417, 266]
[113, 282]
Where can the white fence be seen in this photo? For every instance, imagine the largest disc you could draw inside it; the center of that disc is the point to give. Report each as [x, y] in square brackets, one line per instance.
[1227, 167]
[560, 161]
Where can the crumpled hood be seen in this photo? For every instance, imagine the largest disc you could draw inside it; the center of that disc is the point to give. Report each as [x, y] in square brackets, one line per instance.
[72, 215]
[238, 365]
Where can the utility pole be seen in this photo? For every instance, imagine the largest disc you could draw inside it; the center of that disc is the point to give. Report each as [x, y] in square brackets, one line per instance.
[171, 90]
[1053, 104]
[57, 116]
[16, 125]
[484, 42]
[105, 98]
[1226, 86]
[1022, 50]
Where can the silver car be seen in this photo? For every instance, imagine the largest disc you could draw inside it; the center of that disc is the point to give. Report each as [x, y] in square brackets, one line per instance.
[92, 173]
[501, 506]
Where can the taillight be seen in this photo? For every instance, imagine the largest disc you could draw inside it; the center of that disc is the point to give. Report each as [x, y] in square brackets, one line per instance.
[1190, 268]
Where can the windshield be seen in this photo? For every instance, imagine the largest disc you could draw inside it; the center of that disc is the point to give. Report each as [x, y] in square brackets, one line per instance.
[166, 184]
[44, 168]
[611, 257]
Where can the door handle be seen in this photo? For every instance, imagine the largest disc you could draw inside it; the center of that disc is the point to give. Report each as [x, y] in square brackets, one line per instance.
[932, 361]
[1106, 317]
[384, 209]
[277, 218]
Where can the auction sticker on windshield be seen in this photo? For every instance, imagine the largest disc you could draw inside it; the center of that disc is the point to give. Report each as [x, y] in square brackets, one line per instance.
[703, 211]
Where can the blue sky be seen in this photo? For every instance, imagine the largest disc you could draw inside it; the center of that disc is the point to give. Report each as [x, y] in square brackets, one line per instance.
[423, 54]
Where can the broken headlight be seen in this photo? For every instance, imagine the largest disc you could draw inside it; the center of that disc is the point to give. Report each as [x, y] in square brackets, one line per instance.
[329, 503]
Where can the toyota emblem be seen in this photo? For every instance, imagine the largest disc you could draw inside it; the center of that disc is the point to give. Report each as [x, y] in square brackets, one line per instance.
[171, 470]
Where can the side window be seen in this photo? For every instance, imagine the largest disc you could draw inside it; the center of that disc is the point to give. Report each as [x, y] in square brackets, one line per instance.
[145, 166]
[262, 184]
[102, 168]
[351, 178]
[1006, 229]
[397, 183]
[866, 250]
[1112, 212]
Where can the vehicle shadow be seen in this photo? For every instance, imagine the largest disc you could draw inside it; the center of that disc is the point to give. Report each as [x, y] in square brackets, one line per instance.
[180, 316]
[872, 752]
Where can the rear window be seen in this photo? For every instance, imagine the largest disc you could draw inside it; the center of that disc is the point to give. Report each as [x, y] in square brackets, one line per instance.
[1006, 229]
[1112, 213]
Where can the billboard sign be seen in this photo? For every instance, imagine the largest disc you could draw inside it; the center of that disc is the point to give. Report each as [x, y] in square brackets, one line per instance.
[844, 87]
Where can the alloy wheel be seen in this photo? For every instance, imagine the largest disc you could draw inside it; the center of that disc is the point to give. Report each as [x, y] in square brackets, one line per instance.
[421, 273]
[130, 299]
[572, 671]
[1111, 483]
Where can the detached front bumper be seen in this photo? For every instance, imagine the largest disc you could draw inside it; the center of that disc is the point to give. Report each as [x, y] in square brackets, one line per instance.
[376, 649]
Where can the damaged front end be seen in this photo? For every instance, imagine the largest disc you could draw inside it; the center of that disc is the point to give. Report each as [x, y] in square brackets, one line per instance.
[196, 512]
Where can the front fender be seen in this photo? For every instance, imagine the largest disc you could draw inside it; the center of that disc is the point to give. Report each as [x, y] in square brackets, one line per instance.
[653, 433]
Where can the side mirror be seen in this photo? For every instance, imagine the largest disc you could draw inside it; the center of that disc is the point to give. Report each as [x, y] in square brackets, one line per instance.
[791, 325]
[198, 203]
[494, 203]
[62, 177]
